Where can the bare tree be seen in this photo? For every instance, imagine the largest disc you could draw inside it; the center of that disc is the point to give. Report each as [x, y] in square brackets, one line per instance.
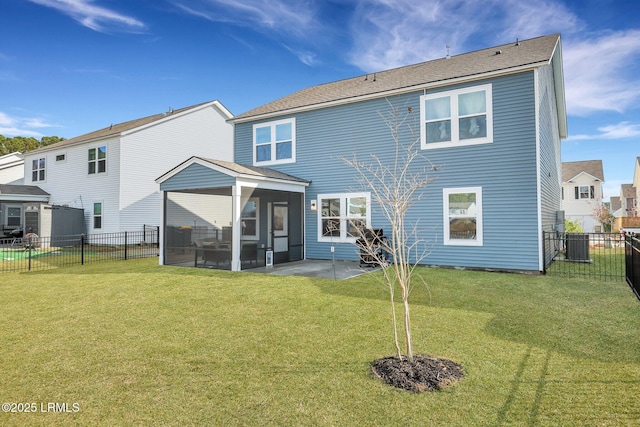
[603, 215]
[395, 186]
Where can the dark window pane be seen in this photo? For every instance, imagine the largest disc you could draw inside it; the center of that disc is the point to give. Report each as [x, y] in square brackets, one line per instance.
[283, 150]
[439, 131]
[473, 127]
[263, 153]
[102, 166]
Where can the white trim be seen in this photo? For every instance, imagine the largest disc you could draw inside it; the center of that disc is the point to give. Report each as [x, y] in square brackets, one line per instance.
[343, 217]
[536, 92]
[272, 125]
[454, 118]
[479, 238]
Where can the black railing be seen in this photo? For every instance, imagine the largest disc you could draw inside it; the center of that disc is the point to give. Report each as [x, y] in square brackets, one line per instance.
[632, 261]
[32, 252]
[593, 255]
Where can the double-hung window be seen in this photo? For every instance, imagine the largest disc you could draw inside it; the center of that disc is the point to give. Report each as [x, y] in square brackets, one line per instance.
[38, 169]
[456, 117]
[97, 215]
[342, 216]
[585, 192]
[97, 160]
[274, 142]
[463, 216]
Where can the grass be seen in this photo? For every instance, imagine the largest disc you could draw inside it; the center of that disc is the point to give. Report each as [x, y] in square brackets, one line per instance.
[133, 343]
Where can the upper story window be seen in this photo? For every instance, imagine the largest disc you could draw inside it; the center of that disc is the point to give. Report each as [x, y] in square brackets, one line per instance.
[457, 117]
[463, 216]
[585, 192]
[98, 160]
[274, 142]
[342, 216]
[61, 158]
[38, 169]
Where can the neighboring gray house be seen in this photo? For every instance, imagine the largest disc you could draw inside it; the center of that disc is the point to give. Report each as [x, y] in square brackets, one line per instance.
[491, 120]
[15, 202]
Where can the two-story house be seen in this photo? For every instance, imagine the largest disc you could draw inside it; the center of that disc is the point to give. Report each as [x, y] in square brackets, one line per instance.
[582, 192]
[491, 120]
[111, 172]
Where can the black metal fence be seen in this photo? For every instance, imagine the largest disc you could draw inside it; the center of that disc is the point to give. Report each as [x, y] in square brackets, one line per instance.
[632, 260]
[32, 252]
[592, 255]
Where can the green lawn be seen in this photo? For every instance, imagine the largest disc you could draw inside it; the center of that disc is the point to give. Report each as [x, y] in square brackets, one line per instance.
[133, 343]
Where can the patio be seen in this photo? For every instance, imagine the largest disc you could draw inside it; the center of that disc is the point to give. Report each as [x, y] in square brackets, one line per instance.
[327, 269]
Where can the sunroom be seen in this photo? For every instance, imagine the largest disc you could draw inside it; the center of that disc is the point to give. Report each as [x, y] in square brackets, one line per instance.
[224, 215]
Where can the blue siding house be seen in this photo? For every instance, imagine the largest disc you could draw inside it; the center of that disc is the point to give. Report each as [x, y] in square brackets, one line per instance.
[490, 120]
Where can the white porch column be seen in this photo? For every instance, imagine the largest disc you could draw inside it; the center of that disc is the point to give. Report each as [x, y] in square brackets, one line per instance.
[236, 193]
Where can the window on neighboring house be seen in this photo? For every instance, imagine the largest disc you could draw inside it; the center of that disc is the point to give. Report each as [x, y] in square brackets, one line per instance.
[61, 157]
[249, 219]
[98, 160]
[38, 169]
[463, 216]
[585, 192]
[342, 216]
[13, 216]
[274, 142]
[97, 215]
[457, 117]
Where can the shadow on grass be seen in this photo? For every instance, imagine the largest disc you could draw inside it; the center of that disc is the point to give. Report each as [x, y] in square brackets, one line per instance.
[599, 321]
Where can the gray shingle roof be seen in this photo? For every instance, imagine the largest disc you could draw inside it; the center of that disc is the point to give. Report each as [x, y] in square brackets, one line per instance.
[527, 53]
[254, 170]
[22, 190]
[117, 129]
[572, 169]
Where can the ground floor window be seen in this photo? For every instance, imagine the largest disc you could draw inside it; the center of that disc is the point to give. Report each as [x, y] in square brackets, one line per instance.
[342, 215]
[97, 215]
[463, 216]
[13, 216]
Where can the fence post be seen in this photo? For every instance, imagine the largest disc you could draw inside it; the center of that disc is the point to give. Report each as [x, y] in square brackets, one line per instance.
[125, 245]
[158, 236]
[29, 247]
[82, 237]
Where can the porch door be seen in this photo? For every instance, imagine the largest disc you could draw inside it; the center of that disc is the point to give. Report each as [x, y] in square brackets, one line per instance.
[279, 231]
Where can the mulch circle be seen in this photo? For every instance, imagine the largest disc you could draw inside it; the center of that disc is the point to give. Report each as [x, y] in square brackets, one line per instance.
[426, 373]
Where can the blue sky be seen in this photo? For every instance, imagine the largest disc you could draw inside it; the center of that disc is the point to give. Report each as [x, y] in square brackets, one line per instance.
[68, 67]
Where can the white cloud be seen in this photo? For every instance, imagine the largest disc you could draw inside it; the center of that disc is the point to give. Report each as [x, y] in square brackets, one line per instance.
[22, 126]
[281, 16]
[390, 33]
[598, 72]
[94, 17]
[621, 130]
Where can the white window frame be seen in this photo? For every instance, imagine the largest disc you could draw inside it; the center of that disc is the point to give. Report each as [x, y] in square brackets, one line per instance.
[94, 216]
[39, 170]
[97, 160]
[273, 143]
[454, 117]
[256, 219]
[343, 217]
[478, 241]
[61, 158]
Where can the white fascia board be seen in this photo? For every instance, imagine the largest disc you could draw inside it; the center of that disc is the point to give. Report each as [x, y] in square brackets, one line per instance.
[172, 116]
[6, 198]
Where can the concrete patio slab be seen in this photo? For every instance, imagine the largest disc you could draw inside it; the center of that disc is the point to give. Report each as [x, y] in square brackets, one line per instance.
[338, 270]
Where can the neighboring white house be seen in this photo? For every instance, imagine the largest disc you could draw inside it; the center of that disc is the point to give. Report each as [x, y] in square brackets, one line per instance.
[12, 168]
[582, 192]
[110, 173]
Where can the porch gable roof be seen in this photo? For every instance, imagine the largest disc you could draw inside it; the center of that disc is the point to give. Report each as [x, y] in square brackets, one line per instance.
[235, 170]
